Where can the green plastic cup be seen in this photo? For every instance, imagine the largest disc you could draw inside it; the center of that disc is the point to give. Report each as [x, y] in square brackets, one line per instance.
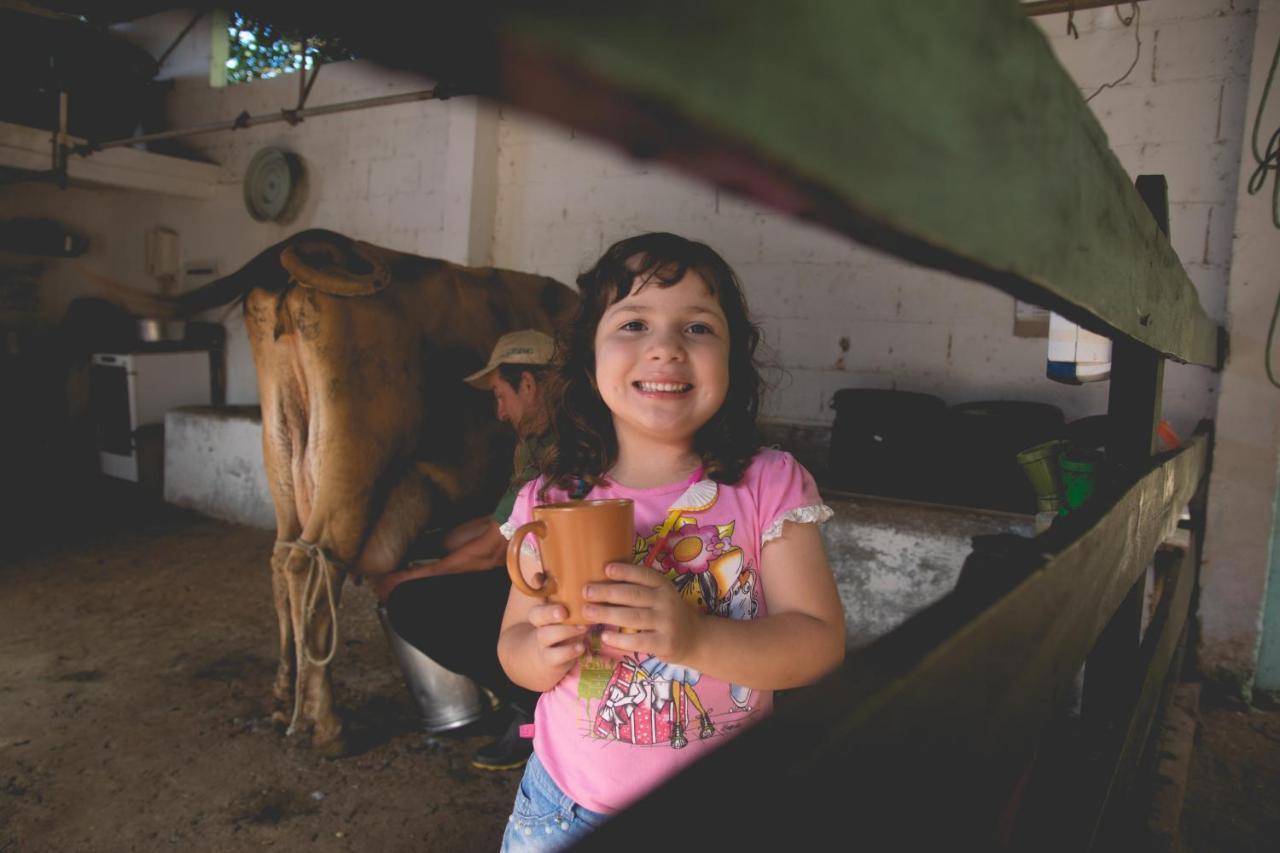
[1040, 464]
[1079, 476]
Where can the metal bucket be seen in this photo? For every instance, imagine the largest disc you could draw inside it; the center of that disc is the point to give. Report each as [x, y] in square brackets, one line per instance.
[152, 329]
[447, 700]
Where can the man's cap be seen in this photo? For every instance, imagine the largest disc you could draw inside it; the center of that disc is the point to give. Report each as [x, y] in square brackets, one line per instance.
[528, 346]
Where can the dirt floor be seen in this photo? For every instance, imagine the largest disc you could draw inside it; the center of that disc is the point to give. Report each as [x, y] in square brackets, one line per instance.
[1233, 792]
[135, 670]
[136, 656]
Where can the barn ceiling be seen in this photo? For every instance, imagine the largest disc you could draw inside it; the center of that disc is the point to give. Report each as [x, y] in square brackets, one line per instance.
[106, 12]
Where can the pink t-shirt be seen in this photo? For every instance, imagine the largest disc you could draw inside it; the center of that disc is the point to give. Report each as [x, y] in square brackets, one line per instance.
[612, 730]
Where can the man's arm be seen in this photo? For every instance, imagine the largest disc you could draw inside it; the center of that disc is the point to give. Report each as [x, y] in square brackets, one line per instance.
[485, 551]
[465, 532]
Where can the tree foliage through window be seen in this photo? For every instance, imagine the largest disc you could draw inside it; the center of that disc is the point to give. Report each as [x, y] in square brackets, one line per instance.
[260, 51]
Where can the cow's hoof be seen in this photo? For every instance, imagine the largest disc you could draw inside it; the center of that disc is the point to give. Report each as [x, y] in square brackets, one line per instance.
[300, 728]
[333, 746]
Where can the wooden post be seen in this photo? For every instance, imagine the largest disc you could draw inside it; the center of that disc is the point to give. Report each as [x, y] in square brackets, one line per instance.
[1133, 407]
[1137, 371]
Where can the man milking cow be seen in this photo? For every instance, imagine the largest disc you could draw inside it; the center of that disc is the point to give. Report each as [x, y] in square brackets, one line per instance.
[451, 608]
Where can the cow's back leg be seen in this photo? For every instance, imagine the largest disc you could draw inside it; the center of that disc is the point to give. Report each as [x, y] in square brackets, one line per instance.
[292, 452]
[288, 529]
[315, 686]
[282, 685]
[282, 411]
[357, 357]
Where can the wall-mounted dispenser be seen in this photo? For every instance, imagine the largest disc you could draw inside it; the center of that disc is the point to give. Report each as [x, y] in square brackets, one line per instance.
[164, 252]
[1076, 355]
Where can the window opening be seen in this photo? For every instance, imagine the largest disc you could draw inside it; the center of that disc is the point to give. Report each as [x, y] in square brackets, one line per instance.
[259, 50]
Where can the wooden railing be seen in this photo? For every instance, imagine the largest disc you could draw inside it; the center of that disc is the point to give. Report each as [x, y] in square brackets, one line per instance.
[953, 728]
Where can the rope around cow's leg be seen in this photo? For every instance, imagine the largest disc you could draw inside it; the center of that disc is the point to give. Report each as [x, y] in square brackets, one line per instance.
[318, 564]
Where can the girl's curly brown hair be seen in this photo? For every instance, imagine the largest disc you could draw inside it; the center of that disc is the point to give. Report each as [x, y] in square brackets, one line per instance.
[586, 446]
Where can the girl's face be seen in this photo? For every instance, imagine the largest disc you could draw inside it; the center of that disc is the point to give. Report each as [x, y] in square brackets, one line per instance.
[662, 361]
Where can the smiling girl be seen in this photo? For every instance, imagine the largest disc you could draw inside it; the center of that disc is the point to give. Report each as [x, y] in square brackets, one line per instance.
[729, 597]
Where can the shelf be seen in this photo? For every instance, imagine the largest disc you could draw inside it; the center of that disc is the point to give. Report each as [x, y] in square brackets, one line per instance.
[28, 149]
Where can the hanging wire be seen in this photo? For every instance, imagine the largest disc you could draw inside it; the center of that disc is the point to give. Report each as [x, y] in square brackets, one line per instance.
[1136, 20]
[1266, 354]
[1268, 162]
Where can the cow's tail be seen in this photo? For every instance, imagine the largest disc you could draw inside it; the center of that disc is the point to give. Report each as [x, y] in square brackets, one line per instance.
[264, 272]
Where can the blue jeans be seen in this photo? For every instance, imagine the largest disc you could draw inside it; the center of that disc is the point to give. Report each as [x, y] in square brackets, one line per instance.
[544, 818]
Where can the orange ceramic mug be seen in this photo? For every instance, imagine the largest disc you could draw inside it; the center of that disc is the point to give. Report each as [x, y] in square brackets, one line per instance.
[575, 540]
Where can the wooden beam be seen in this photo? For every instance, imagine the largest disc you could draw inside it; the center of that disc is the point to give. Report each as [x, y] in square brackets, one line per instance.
[1155, 671]
[1081, 787]
[922, 736]
[949, 135]
[891, 124]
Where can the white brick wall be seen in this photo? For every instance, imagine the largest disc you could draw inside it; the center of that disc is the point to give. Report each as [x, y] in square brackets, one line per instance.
[1239, 620]
[378, 175]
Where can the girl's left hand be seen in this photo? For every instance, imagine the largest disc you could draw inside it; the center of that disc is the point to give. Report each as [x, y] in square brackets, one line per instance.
[642, 602]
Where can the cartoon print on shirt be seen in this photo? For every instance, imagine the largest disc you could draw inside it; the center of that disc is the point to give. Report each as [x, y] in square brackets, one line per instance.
[740, 603]
[673, 683]
[647, 701]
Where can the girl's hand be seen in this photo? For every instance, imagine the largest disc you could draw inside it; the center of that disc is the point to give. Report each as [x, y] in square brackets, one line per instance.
[652, 616]
[559, 645]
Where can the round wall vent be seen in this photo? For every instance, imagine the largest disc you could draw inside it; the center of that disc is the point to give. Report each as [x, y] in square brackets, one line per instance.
[273, 185]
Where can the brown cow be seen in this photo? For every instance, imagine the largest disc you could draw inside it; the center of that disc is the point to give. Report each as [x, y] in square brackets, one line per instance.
[368, 433]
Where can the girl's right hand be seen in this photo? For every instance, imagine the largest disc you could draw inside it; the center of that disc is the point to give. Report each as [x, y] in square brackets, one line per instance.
[559, 645]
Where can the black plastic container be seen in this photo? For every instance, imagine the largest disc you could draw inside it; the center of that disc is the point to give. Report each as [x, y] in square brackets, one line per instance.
[984, 439]
[886, 442]
[107, 79]
[1088, 433]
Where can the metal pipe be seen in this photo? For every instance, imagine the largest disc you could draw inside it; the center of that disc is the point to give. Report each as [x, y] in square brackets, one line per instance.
[1057, 7]
[302, 78]
[60, 142]
[246, 120]
[306, 93]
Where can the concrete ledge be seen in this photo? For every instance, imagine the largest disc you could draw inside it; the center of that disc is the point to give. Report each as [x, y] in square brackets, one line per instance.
[213, 463]
[891, 558]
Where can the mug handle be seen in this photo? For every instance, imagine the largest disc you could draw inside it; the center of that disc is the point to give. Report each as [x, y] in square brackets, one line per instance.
[539, 529]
